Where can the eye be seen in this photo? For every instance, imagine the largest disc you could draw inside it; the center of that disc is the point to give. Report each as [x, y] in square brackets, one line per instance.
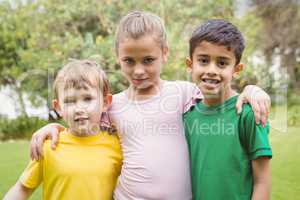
[128, 61]
[69, 101]
[148, 60]
[88, 98]
[222, 63]
[203, 61]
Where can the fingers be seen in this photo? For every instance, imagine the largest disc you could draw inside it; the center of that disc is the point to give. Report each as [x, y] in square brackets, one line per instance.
[256, 110]
[39, 145]
[38, 138]
[268, 105]
[263, 113]
[239, 104]
[54, 141]
[60, 127]
[260, 103]
[264, 106]
[33, 148]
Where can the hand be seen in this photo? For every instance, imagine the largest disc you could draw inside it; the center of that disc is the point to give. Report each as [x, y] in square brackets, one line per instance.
[36, 144]
[259, 100]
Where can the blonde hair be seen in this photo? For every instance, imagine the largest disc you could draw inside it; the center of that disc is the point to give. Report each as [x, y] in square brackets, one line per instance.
[78, 74]
[137, 24]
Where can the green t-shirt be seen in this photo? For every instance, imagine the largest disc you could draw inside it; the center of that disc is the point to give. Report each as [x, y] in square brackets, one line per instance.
[221, 146]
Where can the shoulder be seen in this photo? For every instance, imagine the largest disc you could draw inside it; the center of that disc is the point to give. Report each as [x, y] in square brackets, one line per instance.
[111, 140]
[112, 137]
[184, 85]
[120, 95]
[47, 145]
[182, 88]
[63, 138]
[190, 110]
[247, 111]
[247, 122]
[118, 100]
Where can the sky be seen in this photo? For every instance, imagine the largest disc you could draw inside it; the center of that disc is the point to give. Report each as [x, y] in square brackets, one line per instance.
[9, 108]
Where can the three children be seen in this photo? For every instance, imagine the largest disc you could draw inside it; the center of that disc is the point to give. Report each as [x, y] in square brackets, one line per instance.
[148, 115]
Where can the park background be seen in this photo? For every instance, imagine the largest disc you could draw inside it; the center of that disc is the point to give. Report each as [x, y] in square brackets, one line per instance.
[38, 36]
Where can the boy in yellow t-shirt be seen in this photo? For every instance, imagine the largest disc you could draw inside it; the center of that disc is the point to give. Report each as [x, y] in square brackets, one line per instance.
[87, 161]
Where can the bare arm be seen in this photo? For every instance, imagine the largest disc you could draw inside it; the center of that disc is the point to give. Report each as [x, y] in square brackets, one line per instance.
[18, 192]
[262, 179]
[36, 144]
[258, 99]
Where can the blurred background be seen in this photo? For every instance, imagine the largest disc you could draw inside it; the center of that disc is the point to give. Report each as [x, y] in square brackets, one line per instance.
[37, 37]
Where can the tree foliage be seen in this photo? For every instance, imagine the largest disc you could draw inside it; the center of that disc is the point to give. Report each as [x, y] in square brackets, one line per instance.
[38, 37]
[279, 35]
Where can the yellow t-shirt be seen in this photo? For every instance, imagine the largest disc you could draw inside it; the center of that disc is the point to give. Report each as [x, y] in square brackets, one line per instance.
[79, 168]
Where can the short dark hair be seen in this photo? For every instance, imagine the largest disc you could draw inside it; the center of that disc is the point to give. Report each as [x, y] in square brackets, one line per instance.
[219, 32]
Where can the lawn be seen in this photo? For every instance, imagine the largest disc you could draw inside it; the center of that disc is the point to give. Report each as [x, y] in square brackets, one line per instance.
[285, 164]
[14, 157]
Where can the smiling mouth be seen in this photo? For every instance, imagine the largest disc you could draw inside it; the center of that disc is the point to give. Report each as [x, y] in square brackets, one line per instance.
[137, 81]
[211, 81]
[80, 119]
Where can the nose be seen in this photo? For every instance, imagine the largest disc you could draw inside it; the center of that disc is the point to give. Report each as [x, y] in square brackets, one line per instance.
[80, 107]
[139, 70]
[212, 69]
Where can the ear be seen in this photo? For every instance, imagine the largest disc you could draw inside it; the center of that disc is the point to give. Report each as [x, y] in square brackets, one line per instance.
[189, 64]
[56, 106]
[238, 68]
[165, 52]
[107, 102]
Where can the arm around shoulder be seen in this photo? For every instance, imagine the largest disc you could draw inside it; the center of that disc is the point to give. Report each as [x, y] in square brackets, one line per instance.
[254, 137]
[18, 192]
[49, 131]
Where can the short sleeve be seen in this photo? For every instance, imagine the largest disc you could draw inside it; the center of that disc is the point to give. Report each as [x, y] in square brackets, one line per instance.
[33, 174]
[190, 94]
[254, 137]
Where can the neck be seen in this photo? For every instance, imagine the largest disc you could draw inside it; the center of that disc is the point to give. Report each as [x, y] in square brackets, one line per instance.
[144, 94]
[214, 100]
[83, 133]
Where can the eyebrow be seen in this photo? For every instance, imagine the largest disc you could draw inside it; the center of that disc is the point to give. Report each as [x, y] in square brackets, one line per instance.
[87, 95]
[68, 97]
[127, 57]
[206, 55]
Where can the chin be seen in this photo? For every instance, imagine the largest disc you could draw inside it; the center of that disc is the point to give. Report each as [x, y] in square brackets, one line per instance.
[82, 130]
[144, 87]
[211, 94]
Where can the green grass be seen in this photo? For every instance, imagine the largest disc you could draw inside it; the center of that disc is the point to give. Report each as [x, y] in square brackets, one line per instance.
[285, 164]
[14, 157]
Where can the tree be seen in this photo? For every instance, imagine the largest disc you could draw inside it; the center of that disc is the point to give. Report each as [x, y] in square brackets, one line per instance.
[44, 34]
[279, 35]
[12, 40]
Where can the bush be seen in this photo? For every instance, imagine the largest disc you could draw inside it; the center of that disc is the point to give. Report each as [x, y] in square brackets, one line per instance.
[294, 115]
[293, 100]
[20, 128]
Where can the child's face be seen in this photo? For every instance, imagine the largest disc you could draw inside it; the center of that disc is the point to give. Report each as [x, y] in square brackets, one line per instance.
[141, 61]
[212, 68]
[81, 109]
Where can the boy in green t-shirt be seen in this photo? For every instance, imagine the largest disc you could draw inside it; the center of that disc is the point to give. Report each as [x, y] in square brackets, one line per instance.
[229, 153]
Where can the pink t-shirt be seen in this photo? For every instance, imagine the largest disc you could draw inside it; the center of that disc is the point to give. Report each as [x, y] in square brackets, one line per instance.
[156, 161]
